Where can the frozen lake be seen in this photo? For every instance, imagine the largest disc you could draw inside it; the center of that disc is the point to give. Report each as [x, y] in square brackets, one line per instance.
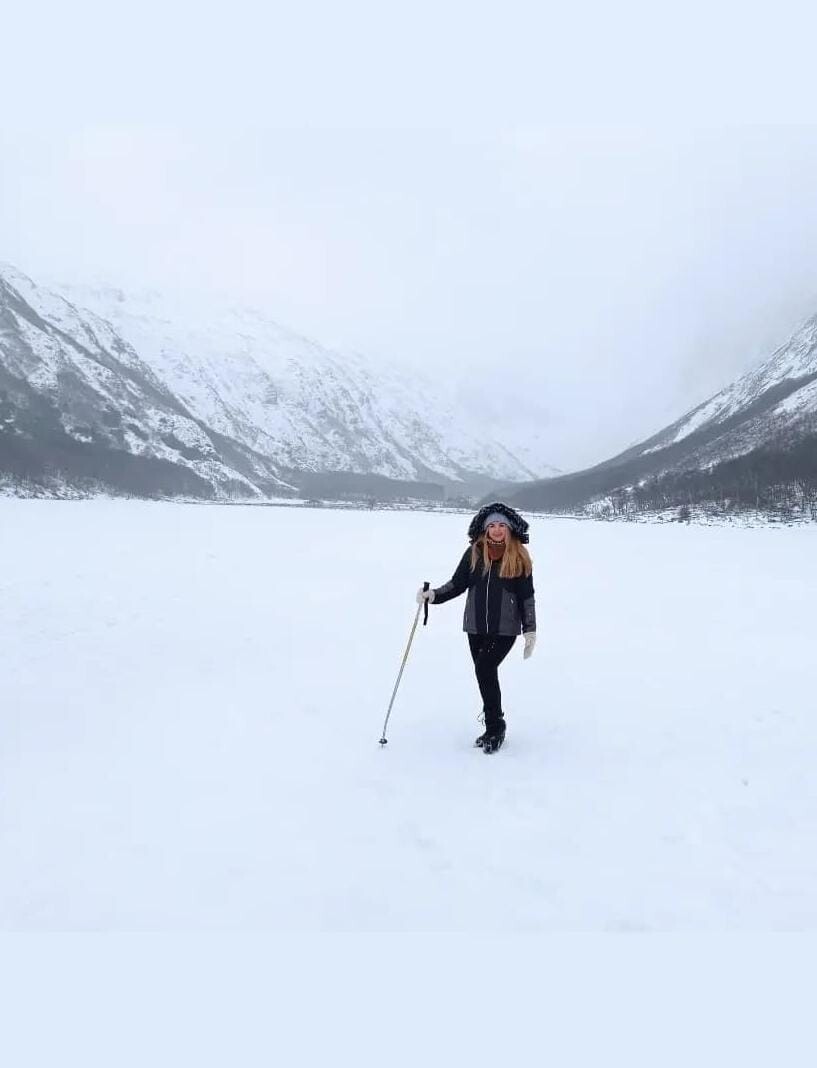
[192, 698]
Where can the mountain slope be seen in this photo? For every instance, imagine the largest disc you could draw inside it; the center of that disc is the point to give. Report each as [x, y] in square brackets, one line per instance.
[757, 434]
[310, 407]
[79, 406]
[141, 393]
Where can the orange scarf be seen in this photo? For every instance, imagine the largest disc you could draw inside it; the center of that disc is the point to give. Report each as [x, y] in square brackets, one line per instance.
[496, 549]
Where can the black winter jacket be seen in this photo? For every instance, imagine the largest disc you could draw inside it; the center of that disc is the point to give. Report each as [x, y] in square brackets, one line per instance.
[494, 605]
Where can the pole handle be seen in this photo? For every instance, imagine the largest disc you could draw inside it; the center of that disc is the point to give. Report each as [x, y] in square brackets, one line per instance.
[426, 586]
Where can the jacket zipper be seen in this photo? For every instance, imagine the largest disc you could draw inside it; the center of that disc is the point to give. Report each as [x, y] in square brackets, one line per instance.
[487, 593]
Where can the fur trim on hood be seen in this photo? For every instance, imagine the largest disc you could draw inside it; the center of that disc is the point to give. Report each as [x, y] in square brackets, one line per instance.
[518, 526]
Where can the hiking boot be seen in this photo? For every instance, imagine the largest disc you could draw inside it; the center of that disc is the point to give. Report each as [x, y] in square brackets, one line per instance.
[493, 741]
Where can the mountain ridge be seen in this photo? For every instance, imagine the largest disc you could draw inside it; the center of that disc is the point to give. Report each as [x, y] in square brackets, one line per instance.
[747, 442]
[137, 376]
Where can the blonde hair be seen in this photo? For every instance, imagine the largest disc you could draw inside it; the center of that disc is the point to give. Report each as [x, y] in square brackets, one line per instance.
[516, 559]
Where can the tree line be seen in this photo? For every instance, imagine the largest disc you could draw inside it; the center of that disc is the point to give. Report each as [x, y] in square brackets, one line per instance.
[780, 482]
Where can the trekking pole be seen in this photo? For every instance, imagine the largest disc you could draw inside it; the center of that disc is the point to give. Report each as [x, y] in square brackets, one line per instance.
[384, 740]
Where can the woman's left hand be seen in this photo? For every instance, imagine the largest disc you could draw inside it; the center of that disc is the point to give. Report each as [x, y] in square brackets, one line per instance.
[530, 642]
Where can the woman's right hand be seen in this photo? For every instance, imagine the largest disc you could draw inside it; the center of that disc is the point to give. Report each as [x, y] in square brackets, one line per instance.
[425, 595]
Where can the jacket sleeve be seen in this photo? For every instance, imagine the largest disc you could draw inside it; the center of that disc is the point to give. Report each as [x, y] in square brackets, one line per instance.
[457, 584]
[527, 603]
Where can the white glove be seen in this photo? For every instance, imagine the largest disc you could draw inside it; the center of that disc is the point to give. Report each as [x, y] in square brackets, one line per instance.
[425, 595]
[530, 642]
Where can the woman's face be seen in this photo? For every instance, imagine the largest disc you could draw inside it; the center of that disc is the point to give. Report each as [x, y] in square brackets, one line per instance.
[497, 531]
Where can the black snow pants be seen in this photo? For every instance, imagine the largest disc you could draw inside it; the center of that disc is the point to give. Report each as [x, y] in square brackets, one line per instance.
[488, 651]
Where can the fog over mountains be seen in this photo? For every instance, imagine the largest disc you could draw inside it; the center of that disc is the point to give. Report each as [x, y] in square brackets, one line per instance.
[107, 391]
[754, 444]
[138, 394]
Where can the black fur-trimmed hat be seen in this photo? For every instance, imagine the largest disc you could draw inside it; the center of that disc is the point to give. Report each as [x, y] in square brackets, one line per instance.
[517, 525]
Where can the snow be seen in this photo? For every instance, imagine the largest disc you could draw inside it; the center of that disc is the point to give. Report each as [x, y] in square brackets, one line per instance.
[242, 374]
[793, 360]
[277, 391]
[702, 415]
[803, 400]
[193, 697]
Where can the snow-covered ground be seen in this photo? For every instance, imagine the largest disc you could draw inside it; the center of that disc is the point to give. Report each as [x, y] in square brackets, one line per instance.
[192, 698]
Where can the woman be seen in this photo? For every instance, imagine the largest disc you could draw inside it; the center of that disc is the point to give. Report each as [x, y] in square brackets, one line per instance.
[498, 574]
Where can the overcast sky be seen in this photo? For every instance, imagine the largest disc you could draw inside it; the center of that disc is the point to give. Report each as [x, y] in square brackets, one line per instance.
[602, 220]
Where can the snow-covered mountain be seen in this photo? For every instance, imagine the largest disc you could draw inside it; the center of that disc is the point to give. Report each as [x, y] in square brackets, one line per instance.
[79, 406]
[287, 396]
[760, 430]
[225, 393]
[776, 400]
